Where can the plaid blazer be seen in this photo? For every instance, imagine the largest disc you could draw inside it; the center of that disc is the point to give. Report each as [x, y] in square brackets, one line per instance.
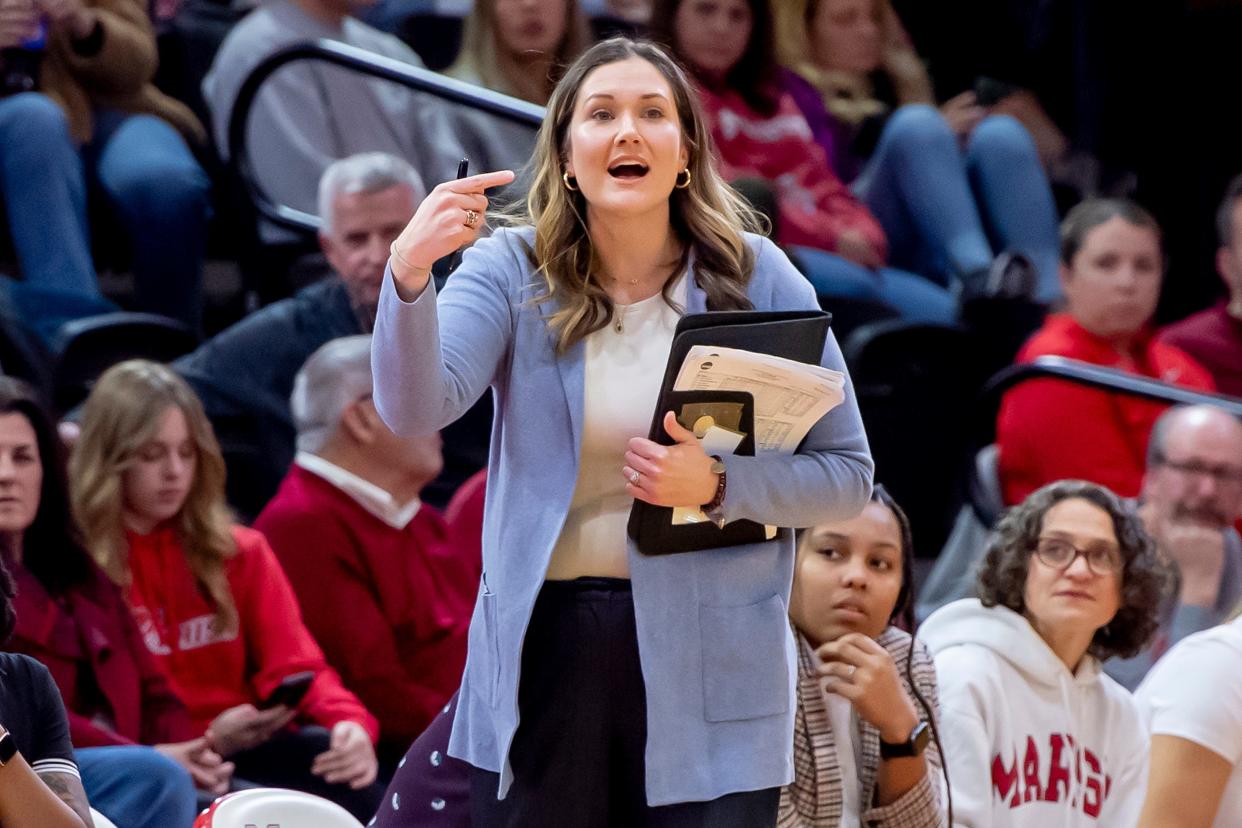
[814, 799]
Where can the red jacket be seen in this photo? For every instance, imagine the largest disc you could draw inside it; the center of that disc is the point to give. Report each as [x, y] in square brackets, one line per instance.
[214, 672]
[114, 691]
[1051, 430]
[391, 607]
[815, 207]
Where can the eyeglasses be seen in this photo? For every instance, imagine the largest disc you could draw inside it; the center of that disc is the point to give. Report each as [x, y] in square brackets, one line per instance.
[1061, 554]
[1224, 476]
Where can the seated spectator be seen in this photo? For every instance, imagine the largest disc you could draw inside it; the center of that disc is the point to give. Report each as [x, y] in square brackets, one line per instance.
[75, 622]
[1049, 430]
[759, 133]
[1191, 499]
[520, 49]
[39, 782]
[310, 114]
[934, 177]
[1196, 736]
[244, 375]
[90, 112]
[860, 736]
[1033, 732]
[1214, 336]
[350, 530]
[210, 598]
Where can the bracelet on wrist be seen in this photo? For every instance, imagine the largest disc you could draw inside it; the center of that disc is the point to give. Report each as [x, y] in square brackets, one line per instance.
[392, 250]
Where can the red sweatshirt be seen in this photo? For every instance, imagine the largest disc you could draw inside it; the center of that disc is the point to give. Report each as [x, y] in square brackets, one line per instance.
[1051, 430]
[409, 593]
[815, 207]
[214, 672]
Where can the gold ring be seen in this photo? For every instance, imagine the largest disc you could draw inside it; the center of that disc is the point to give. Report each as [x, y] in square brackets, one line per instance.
[472, 218]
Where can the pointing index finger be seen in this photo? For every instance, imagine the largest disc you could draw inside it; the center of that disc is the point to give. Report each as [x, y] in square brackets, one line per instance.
[481, 182]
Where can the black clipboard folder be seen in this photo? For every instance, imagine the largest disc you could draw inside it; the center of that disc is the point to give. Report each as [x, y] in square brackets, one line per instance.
[796, 335]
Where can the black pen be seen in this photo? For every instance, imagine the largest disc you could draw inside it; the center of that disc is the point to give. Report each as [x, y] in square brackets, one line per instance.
[463, 169]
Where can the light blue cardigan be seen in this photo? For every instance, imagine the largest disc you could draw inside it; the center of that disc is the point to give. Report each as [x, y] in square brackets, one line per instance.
[719, 662]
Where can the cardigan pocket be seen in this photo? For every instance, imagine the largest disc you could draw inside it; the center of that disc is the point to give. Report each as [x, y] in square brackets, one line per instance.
[745, 674]
[490, 667]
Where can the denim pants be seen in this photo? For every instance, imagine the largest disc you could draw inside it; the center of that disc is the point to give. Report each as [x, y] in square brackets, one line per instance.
[948, 210]
[137, 787]
[915, 298]
[149, 178]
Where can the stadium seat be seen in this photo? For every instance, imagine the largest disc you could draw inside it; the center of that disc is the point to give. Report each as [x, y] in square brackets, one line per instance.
[88, 347]
[274, 806]
[915, 384]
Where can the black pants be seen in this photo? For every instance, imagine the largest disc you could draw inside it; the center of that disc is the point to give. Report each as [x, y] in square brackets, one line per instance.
[577, 755]
[284, 761]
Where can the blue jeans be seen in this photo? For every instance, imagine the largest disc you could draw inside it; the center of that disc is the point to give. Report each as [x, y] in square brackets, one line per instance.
[948, 211]
[137, 787]
[162, 197]
[149, 177]
[45, 195]
[915, 298]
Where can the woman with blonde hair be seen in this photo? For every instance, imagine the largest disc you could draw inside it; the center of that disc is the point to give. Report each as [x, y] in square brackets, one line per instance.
[209, 597]
[952, 185]
[651, 690]
[520, 47]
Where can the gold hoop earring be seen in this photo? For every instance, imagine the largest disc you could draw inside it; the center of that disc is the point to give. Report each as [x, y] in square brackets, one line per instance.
[681, 185]
[573, 188]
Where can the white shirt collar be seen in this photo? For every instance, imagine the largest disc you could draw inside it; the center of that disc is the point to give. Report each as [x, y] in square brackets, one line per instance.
[365, 493]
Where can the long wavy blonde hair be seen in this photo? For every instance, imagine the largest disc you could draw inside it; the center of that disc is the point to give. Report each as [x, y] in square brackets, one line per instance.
[123, 414]
[708, 216]
[848, 96]
[483, 57]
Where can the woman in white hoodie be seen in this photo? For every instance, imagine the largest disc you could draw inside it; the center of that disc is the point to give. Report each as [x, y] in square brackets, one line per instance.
[1034, 733]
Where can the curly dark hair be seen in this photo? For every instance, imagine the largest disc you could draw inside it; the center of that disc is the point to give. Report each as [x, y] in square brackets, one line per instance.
[1145, 579]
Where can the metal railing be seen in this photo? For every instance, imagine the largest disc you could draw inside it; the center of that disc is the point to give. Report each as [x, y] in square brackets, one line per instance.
[363, 62]
[1079, 373]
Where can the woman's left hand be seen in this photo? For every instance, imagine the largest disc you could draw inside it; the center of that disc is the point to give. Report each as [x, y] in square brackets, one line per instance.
[859, 669]
[349, 759]
[676, 475]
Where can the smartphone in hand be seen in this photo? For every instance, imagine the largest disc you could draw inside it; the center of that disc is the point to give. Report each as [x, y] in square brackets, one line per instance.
[290, 691]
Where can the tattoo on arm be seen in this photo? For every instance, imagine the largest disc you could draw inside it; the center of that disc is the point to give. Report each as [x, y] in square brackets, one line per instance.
[69, 789]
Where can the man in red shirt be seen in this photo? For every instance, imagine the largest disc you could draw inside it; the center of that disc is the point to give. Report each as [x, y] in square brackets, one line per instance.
[1214, 336]
[1111, 270]
[382, 588]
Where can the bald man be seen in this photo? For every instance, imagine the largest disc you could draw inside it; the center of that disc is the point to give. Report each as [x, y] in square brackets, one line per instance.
[1191, 500]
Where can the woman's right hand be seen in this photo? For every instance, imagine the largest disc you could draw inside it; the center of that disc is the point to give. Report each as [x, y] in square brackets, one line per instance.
[209, 771]
[245, 726]
[439, 228]
[963, 113]
[853, 245]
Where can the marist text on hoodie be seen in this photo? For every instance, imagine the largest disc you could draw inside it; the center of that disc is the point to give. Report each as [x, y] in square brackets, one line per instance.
[1028, 743]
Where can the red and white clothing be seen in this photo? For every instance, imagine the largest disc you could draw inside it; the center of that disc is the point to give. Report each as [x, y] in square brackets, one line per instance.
[1213, 337]
[213, 671]
[815, 207]
[1027, 742]
[383, 589]
[1052, 430]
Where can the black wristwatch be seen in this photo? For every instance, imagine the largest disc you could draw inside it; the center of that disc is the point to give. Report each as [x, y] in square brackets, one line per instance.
[8, 748]
[914, 746]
